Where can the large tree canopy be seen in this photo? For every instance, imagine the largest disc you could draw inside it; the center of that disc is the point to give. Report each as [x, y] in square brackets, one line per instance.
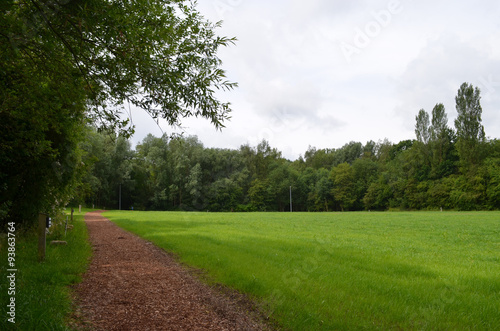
[160, 55]
[65, 62]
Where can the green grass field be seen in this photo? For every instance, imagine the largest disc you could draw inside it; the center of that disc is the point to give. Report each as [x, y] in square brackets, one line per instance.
[42, 292]
[340, 271]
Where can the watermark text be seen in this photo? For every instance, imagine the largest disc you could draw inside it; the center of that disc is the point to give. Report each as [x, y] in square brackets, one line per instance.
[363, 37]
[11, 272]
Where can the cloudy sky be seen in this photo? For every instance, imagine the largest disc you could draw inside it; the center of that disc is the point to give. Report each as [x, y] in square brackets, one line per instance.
[325, 72]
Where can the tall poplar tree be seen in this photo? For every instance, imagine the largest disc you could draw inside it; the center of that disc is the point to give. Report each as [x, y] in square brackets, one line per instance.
[422, 126]
[442, 143]
[439, 121]
[470, 131]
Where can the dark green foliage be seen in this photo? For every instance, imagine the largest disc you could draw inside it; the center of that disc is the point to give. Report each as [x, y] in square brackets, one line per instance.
[470, 131]
[180, 174]
[343, 190]
[321, 197]
[41, 121]
[72, 65]
[66, 63]
[492, 174]
[422, 127]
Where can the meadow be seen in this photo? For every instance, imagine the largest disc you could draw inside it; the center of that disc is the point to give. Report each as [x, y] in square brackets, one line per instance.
[344, 271]
[43, 295]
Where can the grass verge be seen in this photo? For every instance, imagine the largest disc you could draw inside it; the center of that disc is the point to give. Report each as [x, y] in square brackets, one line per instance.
[344, 271]
[42, 290]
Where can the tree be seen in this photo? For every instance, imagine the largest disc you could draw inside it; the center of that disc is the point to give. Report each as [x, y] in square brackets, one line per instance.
[439, 122]
[281, 178]
[109, 162]
[194, 186]
[348, 153]
[151, 173]
[264, 157]
[378, 194]
[383, 151]
[260, 197]
[224, 195]
[322, 191]
[365, 173]
[184, 155]
[470, 131]
[442, 144]
[492, 170]
[422, 130]
[317, 159]
[422, 147]
[369, 149]
[160, 55]
[42, 113]
[342, 177]
[63, 62]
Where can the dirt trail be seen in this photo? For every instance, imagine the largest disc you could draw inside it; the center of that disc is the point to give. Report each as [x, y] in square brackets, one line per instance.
[133, 285]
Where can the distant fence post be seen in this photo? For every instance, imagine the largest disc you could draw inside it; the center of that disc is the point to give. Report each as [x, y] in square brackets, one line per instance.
[42, 224]
[80, 208]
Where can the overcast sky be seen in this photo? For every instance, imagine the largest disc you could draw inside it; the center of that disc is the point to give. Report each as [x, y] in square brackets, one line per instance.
[322, 73]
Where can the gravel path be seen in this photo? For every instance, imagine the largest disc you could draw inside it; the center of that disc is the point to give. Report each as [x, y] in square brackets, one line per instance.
[133, 285]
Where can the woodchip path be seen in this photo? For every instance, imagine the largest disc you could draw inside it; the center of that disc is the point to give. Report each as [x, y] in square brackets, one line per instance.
[133, 285]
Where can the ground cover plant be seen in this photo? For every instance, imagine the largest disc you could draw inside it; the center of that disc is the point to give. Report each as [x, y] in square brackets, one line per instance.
[43, 295]
[312, 271]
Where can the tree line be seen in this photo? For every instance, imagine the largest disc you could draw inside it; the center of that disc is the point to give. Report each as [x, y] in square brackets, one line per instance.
[67, 64]
[444, 167]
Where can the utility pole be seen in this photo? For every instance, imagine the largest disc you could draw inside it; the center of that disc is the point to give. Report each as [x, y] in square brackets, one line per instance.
[290, 199]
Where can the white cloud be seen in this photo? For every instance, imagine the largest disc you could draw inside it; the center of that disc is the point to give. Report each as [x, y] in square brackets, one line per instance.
[441, 67]
[298, 89]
